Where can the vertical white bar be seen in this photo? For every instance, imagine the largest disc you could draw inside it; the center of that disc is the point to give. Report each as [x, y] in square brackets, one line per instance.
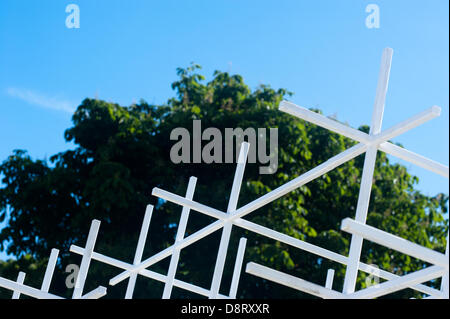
[380, 96]
[50, 270]
[367, 175]
[180, 235]
[238, 267]
[139, 250]
[226, 232]
[444, 283]
[86, 260]
[20, 280]
[330, 277]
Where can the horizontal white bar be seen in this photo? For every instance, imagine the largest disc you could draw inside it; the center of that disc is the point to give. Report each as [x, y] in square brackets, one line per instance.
[414, 158]
[394, 242]
[400, 283]
[26, 290]
[292, 282]
[323, 121]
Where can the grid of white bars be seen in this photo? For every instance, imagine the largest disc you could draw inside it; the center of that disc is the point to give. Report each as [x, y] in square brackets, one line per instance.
[370, 144]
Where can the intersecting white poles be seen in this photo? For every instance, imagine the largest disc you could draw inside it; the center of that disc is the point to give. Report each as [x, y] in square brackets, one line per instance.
[139, 267]
[19, 287]
[368, 144]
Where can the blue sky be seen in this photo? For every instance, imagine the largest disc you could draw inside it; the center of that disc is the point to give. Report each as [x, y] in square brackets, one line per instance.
[128, 50]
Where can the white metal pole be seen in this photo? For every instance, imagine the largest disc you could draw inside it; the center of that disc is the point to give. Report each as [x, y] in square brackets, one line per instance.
[237, 267]
[139, 250]
[20, 280]
[367, 175]
[86, 259]
[226, 232]
[180, 235]
[50, 270]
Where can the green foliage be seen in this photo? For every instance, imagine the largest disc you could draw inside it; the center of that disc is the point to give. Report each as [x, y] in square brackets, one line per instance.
[123, 152]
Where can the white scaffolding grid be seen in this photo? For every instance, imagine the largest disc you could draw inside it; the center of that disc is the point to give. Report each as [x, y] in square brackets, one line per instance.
[370, 144]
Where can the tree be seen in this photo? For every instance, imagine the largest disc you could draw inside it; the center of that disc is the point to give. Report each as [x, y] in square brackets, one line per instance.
[123, 152]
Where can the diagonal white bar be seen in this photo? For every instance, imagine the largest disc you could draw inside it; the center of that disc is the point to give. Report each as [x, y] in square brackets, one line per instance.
[180, 235]
[226, 231]
[292, 282]
[414, 158]
[444, 283]
[237, 267]
[368, 170]
[188, 203]
[323, 121]
[394, 242]
[144, 272]
[26, 290]
[319, 251]
[400, 283]
[97, 293]
[139, 250]
[86, 259]
[20, 280]
[330, 277]
[50, 270]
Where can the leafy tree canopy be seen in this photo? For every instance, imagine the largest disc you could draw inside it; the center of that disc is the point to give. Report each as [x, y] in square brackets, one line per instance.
[123, 152]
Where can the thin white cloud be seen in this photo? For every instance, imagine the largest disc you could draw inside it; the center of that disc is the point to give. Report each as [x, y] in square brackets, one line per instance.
[36, 98]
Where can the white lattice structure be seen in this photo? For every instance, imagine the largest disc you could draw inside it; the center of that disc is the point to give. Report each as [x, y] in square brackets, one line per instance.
[370, 144]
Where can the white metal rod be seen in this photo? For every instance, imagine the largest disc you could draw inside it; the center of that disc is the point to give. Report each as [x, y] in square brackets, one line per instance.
[300, 244]
[290, 240]
[414, 158]
[301, 180]
[291, 281]
[97, 293]
[168, 251]
[330, 277]
[20, 280]
[394, 242]
[444, 283]
[382, 86]
[400, 283]
[139, 250]
[226, 231]
[179, 236]
[26, 290]
[86, 259]
[144, 272]
[188, 203]
[407, 125]
[388, 276]
[360, 136]
[361, 215]
[323, 121]
[362, 208]
[237, 267]
[220, 260]
[50, 270]
[238, 177]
